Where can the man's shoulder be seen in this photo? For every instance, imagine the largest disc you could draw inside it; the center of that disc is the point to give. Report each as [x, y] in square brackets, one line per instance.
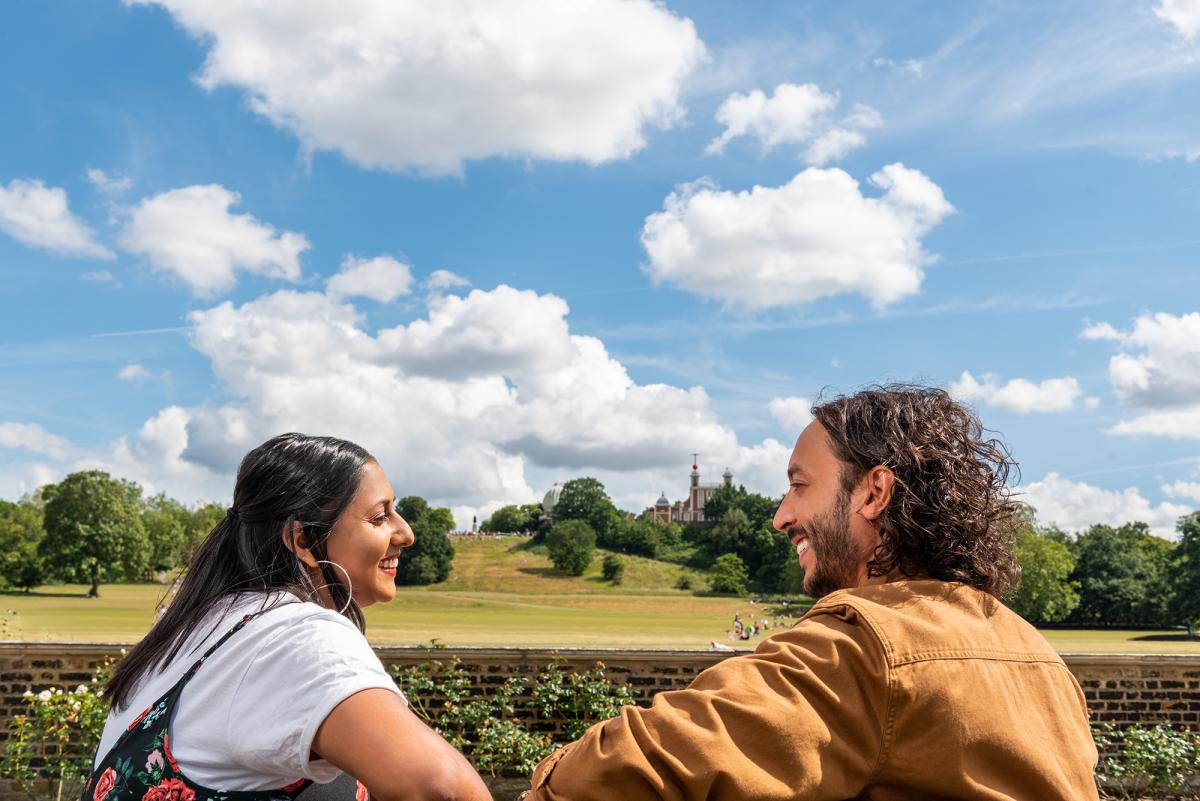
[926, 619]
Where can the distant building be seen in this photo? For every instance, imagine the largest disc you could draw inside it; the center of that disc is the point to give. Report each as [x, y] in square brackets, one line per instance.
[690, 510]
[550, 500]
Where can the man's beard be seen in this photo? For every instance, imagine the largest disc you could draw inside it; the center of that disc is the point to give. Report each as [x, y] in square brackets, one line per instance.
[835, 557]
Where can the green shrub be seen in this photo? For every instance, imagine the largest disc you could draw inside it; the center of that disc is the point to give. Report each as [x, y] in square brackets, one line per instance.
[500, 732]
[571, 545]
[1145, 761]
[728, 575]
[55, 739]
[684, 583]
[613, 568]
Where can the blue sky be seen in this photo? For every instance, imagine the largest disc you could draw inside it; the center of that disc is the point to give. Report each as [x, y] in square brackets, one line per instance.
[505, 247]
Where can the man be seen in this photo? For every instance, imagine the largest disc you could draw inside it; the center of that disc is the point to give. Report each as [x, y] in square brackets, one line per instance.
[907, 679]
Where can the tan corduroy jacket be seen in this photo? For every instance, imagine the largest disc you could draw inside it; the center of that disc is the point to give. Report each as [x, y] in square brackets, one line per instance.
[896, 690]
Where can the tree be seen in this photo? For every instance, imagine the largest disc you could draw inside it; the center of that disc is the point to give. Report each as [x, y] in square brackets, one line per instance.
[1045, 593]
[204, 519]
[572, 546]
[612, 568]
[513, 519]
[1121, 574]
[1184, 574]
[727, 575]
[759, 509]
[20, 534]
[429, 559]
[585, 499]
[167, 522]
[94, 530]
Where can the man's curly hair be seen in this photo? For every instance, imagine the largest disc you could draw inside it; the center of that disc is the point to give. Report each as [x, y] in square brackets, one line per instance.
[951, 516]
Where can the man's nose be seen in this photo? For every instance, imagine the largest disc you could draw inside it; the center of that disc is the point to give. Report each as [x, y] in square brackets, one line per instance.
[784, 518]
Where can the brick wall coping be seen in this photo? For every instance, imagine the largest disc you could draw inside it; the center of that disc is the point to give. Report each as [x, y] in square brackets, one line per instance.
[540, 653]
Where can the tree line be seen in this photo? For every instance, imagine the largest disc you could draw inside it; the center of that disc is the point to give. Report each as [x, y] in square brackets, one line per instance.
[1103, 576]
[92, 528]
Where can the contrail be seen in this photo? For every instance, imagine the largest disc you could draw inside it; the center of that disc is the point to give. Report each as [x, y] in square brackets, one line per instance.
[1046, 253]
[174, 330]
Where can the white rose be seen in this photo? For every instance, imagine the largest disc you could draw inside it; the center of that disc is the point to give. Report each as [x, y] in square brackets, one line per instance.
[81, 688]
[44, 695]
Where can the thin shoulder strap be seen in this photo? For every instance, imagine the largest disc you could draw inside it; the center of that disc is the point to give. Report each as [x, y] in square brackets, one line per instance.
[236, 628]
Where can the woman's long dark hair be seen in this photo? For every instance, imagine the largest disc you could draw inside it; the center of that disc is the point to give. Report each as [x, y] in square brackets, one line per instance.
[290, 479]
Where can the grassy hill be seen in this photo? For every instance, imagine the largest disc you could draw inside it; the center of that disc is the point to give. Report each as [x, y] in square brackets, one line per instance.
[511, 564]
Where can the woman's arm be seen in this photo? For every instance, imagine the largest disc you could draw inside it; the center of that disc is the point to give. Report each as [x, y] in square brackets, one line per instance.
[375, 737]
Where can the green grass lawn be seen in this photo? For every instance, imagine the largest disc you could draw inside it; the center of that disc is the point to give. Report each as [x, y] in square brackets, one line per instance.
[501, 593]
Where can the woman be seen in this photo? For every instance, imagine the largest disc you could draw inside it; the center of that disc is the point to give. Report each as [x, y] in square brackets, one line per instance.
[258, 680]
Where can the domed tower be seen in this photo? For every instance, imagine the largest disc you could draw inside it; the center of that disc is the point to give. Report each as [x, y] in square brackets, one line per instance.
[550, 500]
[728, 476]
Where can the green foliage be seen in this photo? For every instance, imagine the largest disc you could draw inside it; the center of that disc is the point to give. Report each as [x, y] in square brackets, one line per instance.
[55, 738]
[1122, 576]
[613, 568]
[1045, 593]
[20, 534]
[684, 583]
[94, 530]
[727, 575]
[571, 545]
[429, 559]
[499, 732]
[1184, 574]
[1145, 762]
[167, 523]
[577, 699]
[765, 552]
[513, 519]
[758, 509]
[585, 499]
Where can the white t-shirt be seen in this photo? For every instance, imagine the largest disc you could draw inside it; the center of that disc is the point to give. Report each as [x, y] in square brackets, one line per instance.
[247, 719]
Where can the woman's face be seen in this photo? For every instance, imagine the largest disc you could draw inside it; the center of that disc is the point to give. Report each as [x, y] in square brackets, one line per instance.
[367, 538]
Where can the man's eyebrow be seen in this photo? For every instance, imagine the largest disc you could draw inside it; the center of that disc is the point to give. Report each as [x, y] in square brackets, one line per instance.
[795, 470]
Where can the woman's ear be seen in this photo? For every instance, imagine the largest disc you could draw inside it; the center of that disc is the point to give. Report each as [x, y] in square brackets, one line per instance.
[293, 540]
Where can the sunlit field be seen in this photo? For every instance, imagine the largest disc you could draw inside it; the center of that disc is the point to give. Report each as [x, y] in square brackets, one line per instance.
[501, 593]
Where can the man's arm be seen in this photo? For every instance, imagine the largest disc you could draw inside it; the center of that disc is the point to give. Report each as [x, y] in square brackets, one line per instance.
[805, 716]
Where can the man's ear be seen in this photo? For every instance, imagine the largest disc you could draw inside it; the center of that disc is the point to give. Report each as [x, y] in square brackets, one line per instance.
[293, 540]
[877, 484]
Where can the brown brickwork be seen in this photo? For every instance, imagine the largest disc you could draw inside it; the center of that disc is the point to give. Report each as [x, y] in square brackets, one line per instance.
[1122, 689]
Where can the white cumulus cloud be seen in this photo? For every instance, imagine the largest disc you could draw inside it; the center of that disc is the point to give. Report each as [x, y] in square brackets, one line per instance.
[795, 114]
[133, 373]
[405, 84]
[1018, 395]
[39, 216]
[109, 184]
[382, 279]
[1183, 14]
[191, 234]
[1075, 505]
[33, 438]
[815, 236]
[1188, 490]
[1157, 372]
[793, 413]
[440, 280]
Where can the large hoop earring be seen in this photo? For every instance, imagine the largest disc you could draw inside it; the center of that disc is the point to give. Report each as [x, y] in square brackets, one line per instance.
[349, 584]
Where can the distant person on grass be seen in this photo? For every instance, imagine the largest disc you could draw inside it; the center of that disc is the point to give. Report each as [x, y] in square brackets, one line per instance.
[908, 679]
[257, 681]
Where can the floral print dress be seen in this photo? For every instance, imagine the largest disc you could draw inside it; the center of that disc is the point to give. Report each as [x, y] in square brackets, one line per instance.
[140, 766]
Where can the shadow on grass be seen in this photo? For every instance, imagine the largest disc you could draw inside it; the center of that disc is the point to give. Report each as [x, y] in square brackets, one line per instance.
[545, 572]
[1181, 636]
[41, 594]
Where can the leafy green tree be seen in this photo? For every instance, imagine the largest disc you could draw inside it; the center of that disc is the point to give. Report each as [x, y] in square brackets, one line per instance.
[727, 575]
[1121, 574]
[94, 530]
[759, 509]
[513, 519]
[612, 568]
[1045, 593]
[585, 499]
[20, 534]
[765, 552]
[431, 556]
[572, 546]
[167, 522]
[1184, 574]
[204, 519]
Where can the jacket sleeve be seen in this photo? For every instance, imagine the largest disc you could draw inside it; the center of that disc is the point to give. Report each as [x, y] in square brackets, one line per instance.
[803, 717]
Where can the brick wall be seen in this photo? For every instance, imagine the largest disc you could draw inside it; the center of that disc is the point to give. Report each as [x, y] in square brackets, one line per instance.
[1122, 689]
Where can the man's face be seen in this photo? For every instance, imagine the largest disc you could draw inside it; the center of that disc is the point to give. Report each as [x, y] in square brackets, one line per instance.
[833, 542]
